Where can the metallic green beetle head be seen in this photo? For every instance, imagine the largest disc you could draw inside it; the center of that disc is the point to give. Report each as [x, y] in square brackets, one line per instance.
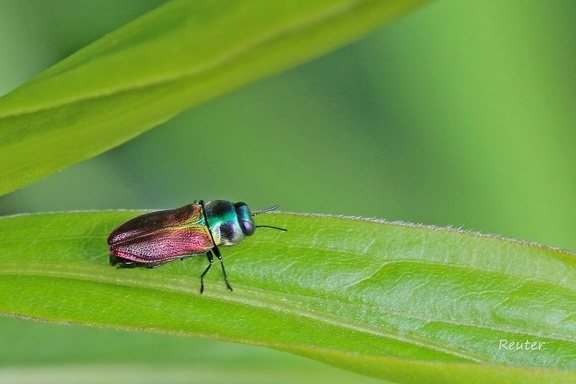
[230, 223]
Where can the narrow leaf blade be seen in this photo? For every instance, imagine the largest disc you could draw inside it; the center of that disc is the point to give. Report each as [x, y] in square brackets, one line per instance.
[181, 54]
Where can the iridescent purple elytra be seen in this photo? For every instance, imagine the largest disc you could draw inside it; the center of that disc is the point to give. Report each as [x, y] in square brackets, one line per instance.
[156, 238]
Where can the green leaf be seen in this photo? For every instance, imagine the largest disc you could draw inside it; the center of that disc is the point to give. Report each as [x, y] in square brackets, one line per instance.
[400, 302]
[39, 352]
[181, 54]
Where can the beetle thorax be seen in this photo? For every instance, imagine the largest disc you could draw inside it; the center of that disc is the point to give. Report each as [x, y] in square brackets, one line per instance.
[223, 222]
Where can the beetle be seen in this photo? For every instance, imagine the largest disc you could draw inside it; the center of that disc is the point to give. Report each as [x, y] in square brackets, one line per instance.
[157, 238]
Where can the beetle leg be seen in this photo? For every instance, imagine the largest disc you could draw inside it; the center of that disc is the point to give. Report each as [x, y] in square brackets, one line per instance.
[153, 265]
[123, 263]
[219, 256]
[210, 257]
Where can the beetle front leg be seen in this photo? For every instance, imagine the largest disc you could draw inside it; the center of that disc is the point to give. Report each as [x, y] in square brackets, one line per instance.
[219, 256]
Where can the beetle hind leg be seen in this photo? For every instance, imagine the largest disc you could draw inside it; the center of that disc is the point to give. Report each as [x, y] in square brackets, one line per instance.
[210, 257]
[123, 263]
[126, 263]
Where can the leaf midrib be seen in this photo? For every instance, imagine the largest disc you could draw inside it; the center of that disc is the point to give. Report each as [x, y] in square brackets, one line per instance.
[251, 297]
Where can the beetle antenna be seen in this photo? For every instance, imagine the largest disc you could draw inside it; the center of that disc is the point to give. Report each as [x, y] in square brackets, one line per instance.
[270, 226]
[265, 210]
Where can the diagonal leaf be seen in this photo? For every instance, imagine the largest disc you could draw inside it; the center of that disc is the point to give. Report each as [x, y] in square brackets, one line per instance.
[182, 53]
[400, 302]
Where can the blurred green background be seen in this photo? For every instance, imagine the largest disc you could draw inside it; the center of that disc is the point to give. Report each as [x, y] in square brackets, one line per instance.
[460, 114]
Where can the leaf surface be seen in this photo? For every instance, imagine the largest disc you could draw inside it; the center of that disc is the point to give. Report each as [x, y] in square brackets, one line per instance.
[399, 302]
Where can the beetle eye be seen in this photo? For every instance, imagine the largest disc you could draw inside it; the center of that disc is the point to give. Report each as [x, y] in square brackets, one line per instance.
[245, 218]
[247, 227]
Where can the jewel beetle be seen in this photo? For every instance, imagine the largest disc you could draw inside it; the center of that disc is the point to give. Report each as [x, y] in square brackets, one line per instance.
[156, 238]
